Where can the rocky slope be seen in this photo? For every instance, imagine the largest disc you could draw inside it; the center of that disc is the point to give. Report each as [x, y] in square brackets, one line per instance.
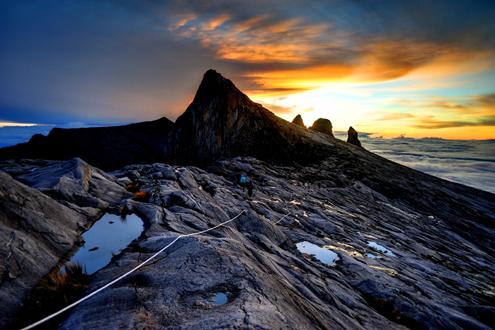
[35, 232]
[399, 263]
[413, 250]
[42, 218]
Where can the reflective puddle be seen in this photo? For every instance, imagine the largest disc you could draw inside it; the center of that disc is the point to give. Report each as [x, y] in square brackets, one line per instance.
[380, 248]
[323, 255]
[107, 237]
[372, 256]
[221, 298]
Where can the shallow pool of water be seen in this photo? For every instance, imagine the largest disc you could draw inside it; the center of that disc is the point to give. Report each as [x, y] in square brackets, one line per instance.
[221, 298]
[323, 255]
[372, 256]
[108, 236]
[380, 248]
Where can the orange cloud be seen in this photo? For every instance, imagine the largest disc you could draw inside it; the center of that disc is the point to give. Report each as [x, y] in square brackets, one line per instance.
[390, 59]
[312, 54]
[297, 80]
[258, 39]
[216, 22]
[250, 23]
[183, 20]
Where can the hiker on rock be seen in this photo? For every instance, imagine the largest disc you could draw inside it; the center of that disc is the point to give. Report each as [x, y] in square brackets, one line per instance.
[246, 182]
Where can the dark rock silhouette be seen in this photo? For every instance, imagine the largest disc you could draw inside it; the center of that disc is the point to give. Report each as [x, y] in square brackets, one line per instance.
[105, 147]
[322, 125]
[298, 121]
[222, 122]
[352, 137]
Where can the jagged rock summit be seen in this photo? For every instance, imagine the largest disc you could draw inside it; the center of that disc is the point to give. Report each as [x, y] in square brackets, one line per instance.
[222, 122]
[298, 121]
[323, 125]
[352, 137]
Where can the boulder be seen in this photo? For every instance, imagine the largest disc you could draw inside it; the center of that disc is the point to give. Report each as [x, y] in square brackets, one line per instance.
[77, 182]
[352, 137]
[322, 125]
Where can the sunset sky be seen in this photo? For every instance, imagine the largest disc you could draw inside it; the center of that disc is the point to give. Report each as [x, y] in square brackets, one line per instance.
[419, 68]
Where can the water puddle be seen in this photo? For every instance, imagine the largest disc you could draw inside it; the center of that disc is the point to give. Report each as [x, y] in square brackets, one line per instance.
[107, 237]
[372, 256]
[323, 255]
[380, 248]
[221, 298]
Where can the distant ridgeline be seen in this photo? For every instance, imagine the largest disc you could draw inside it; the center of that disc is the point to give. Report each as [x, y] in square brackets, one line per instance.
[221, 122]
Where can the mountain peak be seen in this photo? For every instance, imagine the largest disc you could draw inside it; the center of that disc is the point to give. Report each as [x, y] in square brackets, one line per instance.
[212, 77]
[214, 85]
[222, 122]
[212, 74]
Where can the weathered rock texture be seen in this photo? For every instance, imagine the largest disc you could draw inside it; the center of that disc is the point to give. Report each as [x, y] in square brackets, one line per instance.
[35, 232]
[322, 125]
[103, 147]
[75, 181]
[298, 121]
[352, 137]
[440, 273]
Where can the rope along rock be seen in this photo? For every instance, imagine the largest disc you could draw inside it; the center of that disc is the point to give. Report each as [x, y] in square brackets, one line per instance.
[49, 317]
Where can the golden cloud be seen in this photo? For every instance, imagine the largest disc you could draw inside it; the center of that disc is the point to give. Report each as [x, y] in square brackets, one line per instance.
[396, 116]
[435, 124]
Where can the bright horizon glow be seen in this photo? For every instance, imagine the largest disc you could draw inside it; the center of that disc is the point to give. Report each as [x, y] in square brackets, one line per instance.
[14, 124]
[428, 102]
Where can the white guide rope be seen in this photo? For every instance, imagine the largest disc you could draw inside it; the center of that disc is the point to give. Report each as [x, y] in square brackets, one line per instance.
[49, 317]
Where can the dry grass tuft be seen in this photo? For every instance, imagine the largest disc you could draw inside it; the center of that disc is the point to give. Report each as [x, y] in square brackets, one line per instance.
[65, 285]
[54, 291]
